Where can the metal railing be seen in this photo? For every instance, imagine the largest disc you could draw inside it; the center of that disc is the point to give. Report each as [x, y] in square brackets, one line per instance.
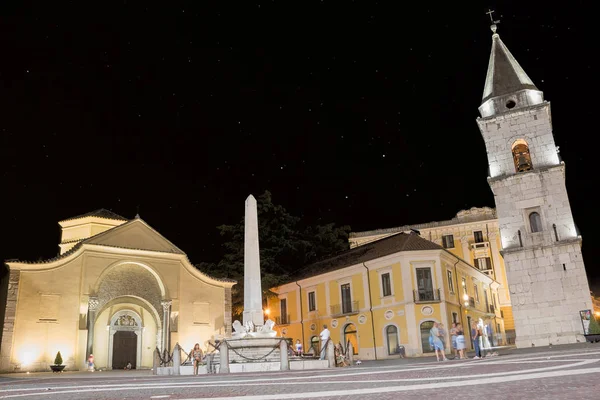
[426, 296]
[346, 308]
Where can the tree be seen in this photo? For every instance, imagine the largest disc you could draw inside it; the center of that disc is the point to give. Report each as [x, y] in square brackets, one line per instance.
[594, 328]
[286, 245]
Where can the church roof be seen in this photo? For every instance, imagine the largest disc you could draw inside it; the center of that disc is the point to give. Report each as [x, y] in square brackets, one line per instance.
[100, 213]
[504, 74]
[380, 248]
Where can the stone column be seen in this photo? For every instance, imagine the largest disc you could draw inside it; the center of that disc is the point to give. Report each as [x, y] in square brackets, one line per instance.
[224, 361]
[330, 353]
[283, 349]
[93, 303]
[14, 276]
[464, 241]
[166, 329]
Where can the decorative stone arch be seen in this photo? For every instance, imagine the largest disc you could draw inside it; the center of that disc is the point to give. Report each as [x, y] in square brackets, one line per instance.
[115, 327]
[521, 155]
[133, 300]
[384, 333]
[159, 280]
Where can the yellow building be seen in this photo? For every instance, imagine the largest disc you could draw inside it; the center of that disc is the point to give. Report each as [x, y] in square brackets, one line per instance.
[118, 290]
[384, 294]
[474, 236]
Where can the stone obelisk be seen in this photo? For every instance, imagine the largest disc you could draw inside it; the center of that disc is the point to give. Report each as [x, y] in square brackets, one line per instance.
[252, 286]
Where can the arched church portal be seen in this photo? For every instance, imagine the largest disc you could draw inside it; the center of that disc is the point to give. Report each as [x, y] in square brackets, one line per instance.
[125, 340]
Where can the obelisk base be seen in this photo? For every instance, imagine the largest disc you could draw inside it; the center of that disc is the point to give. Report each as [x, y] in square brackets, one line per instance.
[256, 316]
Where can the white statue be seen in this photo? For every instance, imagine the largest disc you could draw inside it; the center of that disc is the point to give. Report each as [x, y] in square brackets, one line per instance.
[267, 327]
[249, 326]
[240, 330]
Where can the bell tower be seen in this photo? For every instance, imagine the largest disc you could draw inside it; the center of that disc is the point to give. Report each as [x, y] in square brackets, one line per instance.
[541, 246]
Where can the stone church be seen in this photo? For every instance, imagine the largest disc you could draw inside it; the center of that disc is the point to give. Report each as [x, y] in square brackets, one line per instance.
[117, 290]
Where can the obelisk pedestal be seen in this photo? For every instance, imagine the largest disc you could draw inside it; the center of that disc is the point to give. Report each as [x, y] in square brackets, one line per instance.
[253, 311]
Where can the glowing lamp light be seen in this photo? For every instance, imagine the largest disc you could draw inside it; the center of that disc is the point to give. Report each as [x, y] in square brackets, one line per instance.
[267, 311]
[597, 313]
[27, 358]
[466, 297]
[466, 304]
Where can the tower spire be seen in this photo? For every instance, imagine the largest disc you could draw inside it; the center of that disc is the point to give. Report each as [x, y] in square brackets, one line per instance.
[507, 86]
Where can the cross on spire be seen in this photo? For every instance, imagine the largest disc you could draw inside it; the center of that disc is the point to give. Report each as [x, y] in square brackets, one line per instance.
[493, 27]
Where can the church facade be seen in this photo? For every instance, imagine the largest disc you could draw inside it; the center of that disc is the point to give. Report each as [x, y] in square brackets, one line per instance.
[117, 290]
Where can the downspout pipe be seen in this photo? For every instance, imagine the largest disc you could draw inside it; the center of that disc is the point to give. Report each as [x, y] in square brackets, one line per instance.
[371, 310]
[459, 297]
[301, 314]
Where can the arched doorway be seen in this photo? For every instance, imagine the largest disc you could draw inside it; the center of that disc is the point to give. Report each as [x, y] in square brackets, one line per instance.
[314, 345]
[125, 340]
[425, 328]
[350, 335]
[391, 336]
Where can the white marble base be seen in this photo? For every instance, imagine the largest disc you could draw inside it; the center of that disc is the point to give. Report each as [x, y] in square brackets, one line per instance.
[249, 367]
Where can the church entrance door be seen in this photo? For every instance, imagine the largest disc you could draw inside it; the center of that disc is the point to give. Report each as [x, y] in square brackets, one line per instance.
[124, 349]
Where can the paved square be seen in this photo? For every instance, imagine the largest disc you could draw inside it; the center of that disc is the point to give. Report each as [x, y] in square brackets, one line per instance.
[572, 373]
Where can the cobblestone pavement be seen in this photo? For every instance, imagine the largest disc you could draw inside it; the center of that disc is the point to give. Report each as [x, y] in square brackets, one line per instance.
[559, 373]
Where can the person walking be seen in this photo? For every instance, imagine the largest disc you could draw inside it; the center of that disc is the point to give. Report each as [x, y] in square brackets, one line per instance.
[438, 345]
[453, 339]
[324, 336]
[460, 342]
[476, 338]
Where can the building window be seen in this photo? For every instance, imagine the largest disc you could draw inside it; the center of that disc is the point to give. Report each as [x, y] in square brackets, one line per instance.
[535, 222]
[450, 282]
[391, 333]
[476, 293]
[484, 263]
[464, 285]
[448, 241]
[283, 311]
[312, 303]
[425, 328]
[487, 302]
[455, 318]
[521, 156]
[425, 284]
[478, 235]
[346, 298]
[386, 284]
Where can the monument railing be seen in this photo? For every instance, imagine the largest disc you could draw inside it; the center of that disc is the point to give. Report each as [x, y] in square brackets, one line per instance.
[347, 308]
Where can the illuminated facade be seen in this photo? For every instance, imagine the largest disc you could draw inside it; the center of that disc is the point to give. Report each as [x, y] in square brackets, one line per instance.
[118, 290]
[474, 236]
[384, 294]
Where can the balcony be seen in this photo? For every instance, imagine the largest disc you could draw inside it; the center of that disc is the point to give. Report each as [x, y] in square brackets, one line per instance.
[491, 309]
[347, 308]
[481, 249]
[426, 296]
[283, 319]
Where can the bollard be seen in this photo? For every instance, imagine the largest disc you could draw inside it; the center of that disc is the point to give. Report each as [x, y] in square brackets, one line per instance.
[285, 361]
[224, 353]
[330, 354]
[155, 362]
[176, 359]
[350, 354]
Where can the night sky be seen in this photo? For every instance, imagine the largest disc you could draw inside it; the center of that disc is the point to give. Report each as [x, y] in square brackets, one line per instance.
[350, 112]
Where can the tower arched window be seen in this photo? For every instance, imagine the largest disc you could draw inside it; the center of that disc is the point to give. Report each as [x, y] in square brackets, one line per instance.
[521, 156]
[535, 222]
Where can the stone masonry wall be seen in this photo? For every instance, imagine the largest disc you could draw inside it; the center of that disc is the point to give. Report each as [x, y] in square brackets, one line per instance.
[227, 314]
[9, 321]
[548, 288]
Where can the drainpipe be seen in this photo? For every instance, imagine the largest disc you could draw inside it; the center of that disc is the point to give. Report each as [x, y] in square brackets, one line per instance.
[458, 294]
[301, 314]
[371, 310]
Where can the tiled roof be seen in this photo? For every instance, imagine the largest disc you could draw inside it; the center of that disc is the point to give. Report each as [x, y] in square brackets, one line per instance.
[380, 248]
[100, 213]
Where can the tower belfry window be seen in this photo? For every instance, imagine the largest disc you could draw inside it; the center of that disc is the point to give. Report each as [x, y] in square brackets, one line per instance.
[521, 156]
[535, 222]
